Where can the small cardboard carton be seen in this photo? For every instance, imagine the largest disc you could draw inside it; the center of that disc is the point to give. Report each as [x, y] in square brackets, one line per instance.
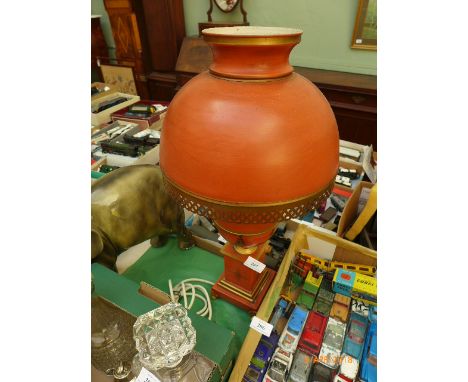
[311, 283]
[105, 115]
[352, 284]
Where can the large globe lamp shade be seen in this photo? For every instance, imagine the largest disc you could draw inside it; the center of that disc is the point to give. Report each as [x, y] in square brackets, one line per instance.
[248, 144]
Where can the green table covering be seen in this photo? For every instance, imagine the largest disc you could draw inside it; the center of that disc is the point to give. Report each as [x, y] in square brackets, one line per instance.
[219, 339]
[158, 265]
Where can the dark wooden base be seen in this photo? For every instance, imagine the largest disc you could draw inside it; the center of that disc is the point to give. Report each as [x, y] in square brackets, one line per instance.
[244, 299]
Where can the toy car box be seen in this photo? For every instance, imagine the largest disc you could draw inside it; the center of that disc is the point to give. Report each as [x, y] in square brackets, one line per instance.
[98, 118]
[355, 285]
[153, 121]
[312, 284]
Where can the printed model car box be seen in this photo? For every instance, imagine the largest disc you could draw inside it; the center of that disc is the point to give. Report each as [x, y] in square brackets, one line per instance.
[338, 249]
[352, 284]
[311, 283]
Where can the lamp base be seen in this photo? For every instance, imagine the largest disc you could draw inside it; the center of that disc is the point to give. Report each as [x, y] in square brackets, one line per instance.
[241, 298]
[241, 285]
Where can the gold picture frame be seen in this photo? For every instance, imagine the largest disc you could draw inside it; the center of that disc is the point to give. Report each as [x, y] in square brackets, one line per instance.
[365, 26]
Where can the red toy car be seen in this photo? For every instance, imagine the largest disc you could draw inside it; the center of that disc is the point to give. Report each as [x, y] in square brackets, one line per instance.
[312, 335]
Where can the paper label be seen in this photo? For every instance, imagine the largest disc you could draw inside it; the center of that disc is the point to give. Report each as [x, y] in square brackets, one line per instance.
[254, 264]
[146, 376]
[261, 326]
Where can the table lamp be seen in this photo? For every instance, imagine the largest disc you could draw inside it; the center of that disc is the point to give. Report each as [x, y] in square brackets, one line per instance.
[248, 144]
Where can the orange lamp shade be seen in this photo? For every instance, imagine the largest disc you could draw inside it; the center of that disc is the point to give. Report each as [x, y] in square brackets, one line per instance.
[249, 143]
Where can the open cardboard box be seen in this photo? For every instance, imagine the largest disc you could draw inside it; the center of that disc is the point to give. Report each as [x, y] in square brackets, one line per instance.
[100, 86]
[153, 122]
[150, 157]
[352, 166]
[350, 211]
[104, 116]
[340, 249]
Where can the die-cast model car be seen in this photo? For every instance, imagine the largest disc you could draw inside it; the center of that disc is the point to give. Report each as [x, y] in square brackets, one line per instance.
[301, 367]
[253, 374]
[348, 369]
[291, 333]
[355, 336]
[265, 349]
[369, 357]
[312, 334]
[322, 373]
[340, 307]
[279, 366]
[332, 343]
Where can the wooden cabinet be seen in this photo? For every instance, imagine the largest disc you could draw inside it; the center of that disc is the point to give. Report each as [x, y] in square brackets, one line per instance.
[148, 35]
[353, 98]
[128, 46]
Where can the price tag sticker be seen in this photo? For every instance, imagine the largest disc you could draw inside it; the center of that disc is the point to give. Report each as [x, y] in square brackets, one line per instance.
[146, 376]
[261, 326]
[254, 264]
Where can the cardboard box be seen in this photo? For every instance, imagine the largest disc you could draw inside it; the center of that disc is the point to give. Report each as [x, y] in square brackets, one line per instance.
[352, 166]
[153, 122]
[350, 212]
[311, 283]
[341, 250]
[363, 150]
[367, 160]
[150, 157]
[353, 284]
[104, 116]
[101, 86]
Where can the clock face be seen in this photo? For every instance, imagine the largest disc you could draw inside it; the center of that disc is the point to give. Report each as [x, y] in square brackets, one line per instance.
[226, 5]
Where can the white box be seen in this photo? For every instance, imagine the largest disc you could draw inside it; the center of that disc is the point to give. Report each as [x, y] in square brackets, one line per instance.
[104, 116]
[365, 160]
[150, 157]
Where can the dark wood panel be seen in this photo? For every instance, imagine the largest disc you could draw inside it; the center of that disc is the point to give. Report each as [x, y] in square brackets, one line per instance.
[162, 85]
[343, 79]
[357, 126]
[165, 30]
[98, 42]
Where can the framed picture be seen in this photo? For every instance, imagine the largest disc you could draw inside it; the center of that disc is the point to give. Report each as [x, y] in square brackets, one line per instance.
[226, 5]
[120, 76]
[365, 26]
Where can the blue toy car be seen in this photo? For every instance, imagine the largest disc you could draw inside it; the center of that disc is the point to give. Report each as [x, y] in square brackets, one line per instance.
[261, 358]
[291, 333]
[373, 313]
[265, 349]
[280, 309]
[354, 340]
[369, 358]
[253, 374]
